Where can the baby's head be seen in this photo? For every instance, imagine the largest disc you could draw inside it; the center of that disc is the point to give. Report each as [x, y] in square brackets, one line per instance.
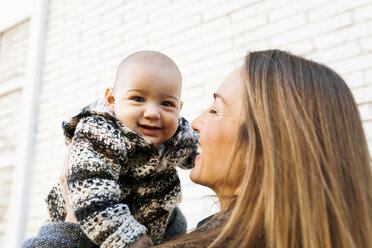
[146, 95]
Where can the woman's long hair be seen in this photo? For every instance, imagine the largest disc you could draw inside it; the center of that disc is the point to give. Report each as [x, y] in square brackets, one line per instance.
[307, 171]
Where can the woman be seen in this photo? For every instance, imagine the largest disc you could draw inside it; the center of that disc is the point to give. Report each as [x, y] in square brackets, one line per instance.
[284, 149]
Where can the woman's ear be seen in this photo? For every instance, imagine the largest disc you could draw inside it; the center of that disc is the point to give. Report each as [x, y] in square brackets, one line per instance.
[109, 98]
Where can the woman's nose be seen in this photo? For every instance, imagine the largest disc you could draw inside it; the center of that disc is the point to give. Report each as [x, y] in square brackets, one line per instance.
[197, 123]
[152, 112]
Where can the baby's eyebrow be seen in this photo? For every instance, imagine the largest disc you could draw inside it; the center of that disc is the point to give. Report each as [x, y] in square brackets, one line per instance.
[166, 96]
[136, 90]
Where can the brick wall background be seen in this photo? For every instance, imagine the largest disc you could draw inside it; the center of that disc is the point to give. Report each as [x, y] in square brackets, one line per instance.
[86, 40]
[13, 46]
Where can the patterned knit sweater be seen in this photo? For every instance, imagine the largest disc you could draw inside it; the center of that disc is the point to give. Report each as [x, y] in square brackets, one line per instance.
[119, 184]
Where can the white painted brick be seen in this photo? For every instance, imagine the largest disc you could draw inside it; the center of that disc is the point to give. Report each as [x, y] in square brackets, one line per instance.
[337, 53]
[216, 9]
[292, 8]
[218, 60]
[353, 64]
[277, 28]
[314, 29]
[109, 21]
[190, 68]
[366, 111]
[331, 8]
[208, 50]
[175, 28]
[111, 7]
[187, 8]
[252, 9]
[355, 79]
[368, 75]
[164, 45]
[363, 94]
[201, 29]
[134, 23]
[300, 48]
[363, 13]
[133, 44]
[366, 43]
[192, 93]
[158, 23]
[368, 129]
[256, 22]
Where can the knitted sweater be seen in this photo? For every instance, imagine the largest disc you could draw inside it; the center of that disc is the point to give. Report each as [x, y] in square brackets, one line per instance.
[119, 185]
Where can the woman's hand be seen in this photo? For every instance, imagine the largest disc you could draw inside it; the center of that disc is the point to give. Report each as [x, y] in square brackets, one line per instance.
[143, 242]
[70, 217]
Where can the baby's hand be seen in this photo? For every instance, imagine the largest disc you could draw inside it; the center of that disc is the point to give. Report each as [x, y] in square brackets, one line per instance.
[70, 217]
[143, 242]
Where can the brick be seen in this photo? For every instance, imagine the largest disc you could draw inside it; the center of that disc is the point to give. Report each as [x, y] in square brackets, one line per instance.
[331, 8]
[314, 29]
[368, 75]
[199, 30]
[368, 129]
[355, 79]
[366, 43]
[366, 111]
[337, 53]
[187, 9]
[255, 23]
[363, 94]
[192, 93]
[175, 28]
[362, 13]
[216, 9]
[353, 64]
[301, 48]
[292, 8]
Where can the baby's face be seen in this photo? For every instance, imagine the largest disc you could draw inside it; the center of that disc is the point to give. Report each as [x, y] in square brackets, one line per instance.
[147, 100]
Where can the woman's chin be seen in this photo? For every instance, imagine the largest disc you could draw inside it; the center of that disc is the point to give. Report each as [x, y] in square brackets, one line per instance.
[195, 175]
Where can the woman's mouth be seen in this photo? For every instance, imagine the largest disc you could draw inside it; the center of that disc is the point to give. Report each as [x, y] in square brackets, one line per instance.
[199, 151]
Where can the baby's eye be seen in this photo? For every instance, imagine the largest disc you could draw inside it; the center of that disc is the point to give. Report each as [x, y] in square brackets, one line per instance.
[138, 99]
[167, 104]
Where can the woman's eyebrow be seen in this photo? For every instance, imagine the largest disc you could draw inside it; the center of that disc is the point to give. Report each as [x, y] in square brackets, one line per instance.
[216, 95]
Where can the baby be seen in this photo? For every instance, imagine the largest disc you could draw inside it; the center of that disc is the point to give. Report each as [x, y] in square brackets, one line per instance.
[122, 181]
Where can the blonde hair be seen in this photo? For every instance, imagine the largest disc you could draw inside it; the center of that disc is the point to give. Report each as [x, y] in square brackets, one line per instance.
[307, 180]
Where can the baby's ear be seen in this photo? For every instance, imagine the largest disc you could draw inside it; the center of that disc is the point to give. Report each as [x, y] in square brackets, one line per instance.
[109, 98]
[181, 104]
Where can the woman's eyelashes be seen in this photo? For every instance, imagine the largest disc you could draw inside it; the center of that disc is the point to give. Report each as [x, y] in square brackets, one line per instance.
[212, 111]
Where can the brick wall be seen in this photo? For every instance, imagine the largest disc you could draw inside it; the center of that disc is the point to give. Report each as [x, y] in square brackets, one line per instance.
[85, 41]
[13, 46]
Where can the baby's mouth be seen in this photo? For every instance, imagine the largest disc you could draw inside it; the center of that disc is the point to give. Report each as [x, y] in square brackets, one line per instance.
[150, 130]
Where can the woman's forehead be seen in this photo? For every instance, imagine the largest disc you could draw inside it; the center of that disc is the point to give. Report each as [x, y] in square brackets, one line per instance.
[232, 87]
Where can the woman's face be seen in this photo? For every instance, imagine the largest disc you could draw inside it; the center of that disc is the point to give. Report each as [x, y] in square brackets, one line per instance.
[218, 127]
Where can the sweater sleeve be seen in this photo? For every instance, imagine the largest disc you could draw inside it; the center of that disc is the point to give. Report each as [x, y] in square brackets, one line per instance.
[97, 153]
[60, 235]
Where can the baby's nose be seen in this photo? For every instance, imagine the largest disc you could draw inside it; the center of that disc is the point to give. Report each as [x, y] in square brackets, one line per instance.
[152, 112]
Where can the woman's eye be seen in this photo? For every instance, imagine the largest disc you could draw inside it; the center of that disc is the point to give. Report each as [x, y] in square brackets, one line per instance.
[138, 99]
[167, 104]
[212, 111]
